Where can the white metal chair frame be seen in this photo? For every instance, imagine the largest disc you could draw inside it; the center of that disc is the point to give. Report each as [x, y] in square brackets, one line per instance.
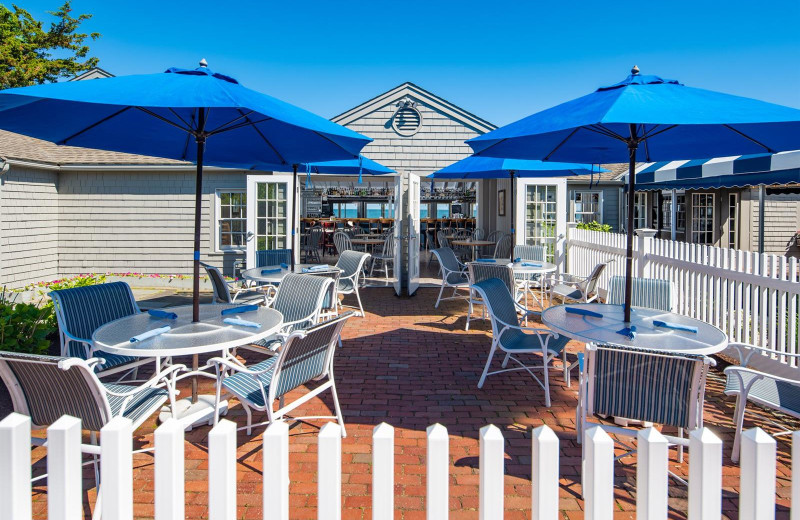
[385, 257]
[474, 298]
[222, 289]
[354, 279]
[544, 335]
[586, 285]
[311, 319]
[226, 367]
[446, 272]
[758, 364]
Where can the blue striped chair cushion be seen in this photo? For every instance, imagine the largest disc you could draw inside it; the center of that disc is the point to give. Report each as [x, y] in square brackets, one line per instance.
[646, 292]
[75, 349]
[457, 278]
[300, 296]
[529, 252]
[350, 262]
[267, 257]
[248, 388]
[447, 258]
[141, 405]
[776, 393]
[638, 385]
[483, 271]
[51, 392]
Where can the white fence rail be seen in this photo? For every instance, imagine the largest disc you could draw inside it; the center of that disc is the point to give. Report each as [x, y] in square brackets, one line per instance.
[757, 498]
[752, 297]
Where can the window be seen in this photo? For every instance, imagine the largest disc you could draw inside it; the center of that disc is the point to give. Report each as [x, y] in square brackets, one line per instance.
[474, 210]
[666, 210]
[640, 211]
[540, 218]
[423, 211]
[231, 220]
[271, 215]
[587, 206]
[345, 209]
[702, 218]
[442, 210]
[733, 217]
[680, 212]
[379, 210]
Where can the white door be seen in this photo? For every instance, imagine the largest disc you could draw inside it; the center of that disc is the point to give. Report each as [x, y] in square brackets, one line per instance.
[269, 215]
[541, 216]
[398, 231]
[412, 230]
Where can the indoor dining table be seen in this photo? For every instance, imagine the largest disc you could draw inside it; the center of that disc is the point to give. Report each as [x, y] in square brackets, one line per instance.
[473, 244]
[174, 334]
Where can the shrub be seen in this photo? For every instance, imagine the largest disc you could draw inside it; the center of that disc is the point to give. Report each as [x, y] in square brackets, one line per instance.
[24, 327]
[46, 304]
[594, 226]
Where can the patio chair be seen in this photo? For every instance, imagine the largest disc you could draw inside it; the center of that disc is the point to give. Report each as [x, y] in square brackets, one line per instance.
[477, 234]
[299, 299]
[222, 290]
[658, 387]
[442, 242]
[513, 339]
[503, 247]
[763, 379]
[488, 251]
[533, 253]
[307, 355]
[480, 271]
[342, 242]
[579, 289]
[311, 244]
[82, 310]
[268, 257]
[352, 265]
[652, 293]
[47, 387]
[385, 257]
[453, 274]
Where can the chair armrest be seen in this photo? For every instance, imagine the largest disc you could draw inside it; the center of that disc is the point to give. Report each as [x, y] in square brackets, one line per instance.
[153, 382]
[235, 367]
[745, 351]
[738, 370]
[568, 279]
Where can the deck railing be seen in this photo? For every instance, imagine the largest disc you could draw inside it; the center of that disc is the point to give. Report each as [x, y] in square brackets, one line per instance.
[752, 297]
[115, 499]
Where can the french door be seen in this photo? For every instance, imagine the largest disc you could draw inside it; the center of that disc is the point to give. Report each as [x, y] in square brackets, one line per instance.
[412, 231]
[542, 215]
[269, 215]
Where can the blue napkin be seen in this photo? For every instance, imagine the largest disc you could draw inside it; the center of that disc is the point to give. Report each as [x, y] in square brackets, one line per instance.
[240, 309]
[486, 260]
[530, 264]
[158, 313]
[150, 333]
[630, 332]
[284, 266]
[314, 268]
[583, 312]
[674, 326]
[243, 323]
[518, 260]
[270, 271]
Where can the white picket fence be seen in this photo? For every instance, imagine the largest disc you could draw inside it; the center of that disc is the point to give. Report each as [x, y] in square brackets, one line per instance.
[64, 495]
[753, 297]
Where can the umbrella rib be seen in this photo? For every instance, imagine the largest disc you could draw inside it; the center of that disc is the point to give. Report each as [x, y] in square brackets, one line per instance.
[188, 137]
[93, 125]
[222, 127]
[767, 148]
[600, 129]
[554, 150]
[653, 134]
[164, 119]
[264, 138]
[179, 117]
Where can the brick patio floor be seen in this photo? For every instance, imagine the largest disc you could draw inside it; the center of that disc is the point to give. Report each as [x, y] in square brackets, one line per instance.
[411, 365]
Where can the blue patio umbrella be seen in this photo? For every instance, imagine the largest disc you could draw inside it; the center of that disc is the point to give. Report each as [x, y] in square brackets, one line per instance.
[175, 114]
[660, 118]
[474, 167]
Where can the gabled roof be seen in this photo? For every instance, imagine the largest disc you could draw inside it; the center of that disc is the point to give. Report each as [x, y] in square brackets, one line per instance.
[409, 89]
[93, 73]
[614, 174]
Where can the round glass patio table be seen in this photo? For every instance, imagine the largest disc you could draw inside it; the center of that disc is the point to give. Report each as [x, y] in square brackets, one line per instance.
[274, 276]
[707, 340]
[185, 338]
[533, 267]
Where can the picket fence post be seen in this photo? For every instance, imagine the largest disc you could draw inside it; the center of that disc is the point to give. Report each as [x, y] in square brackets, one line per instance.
[492, 462]
[437, 500]
[757, 476]
[222, 471]
[15, 467]
[643, 246]
[276, 476]
[598, 478]
[116, 469]
[652, 477]
[705, 475]
[329, 473]
[169, 486]
[383, 472]
[64, 481]
[544, 474]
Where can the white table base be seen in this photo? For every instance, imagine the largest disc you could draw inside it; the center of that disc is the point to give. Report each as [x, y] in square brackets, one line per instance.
[194, 414]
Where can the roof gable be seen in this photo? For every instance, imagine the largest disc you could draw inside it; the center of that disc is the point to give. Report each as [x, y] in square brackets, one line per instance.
[410, 90]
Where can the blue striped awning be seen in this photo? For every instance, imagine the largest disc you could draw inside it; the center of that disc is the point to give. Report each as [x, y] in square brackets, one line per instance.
[720, 172]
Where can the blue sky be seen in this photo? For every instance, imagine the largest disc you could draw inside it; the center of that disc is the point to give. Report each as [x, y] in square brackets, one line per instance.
[499, 60]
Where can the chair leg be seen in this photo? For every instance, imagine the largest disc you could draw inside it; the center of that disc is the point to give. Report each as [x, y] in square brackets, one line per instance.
[546, 380]
[505, 359]
[358, 297]
[439, 298]
[339, 416]
[488, 364]
[738, 415]
[249, 417]
[469, 312]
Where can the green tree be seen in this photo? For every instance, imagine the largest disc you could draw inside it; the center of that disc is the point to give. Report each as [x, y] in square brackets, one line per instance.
[31, 55]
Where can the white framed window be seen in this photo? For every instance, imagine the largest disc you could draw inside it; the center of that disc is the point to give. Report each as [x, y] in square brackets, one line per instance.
[541, 204]
[702, 218]
[640, 210]
[345, 209]
[231, 219]
[680, 212]
[587, 206]
[733, 217]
